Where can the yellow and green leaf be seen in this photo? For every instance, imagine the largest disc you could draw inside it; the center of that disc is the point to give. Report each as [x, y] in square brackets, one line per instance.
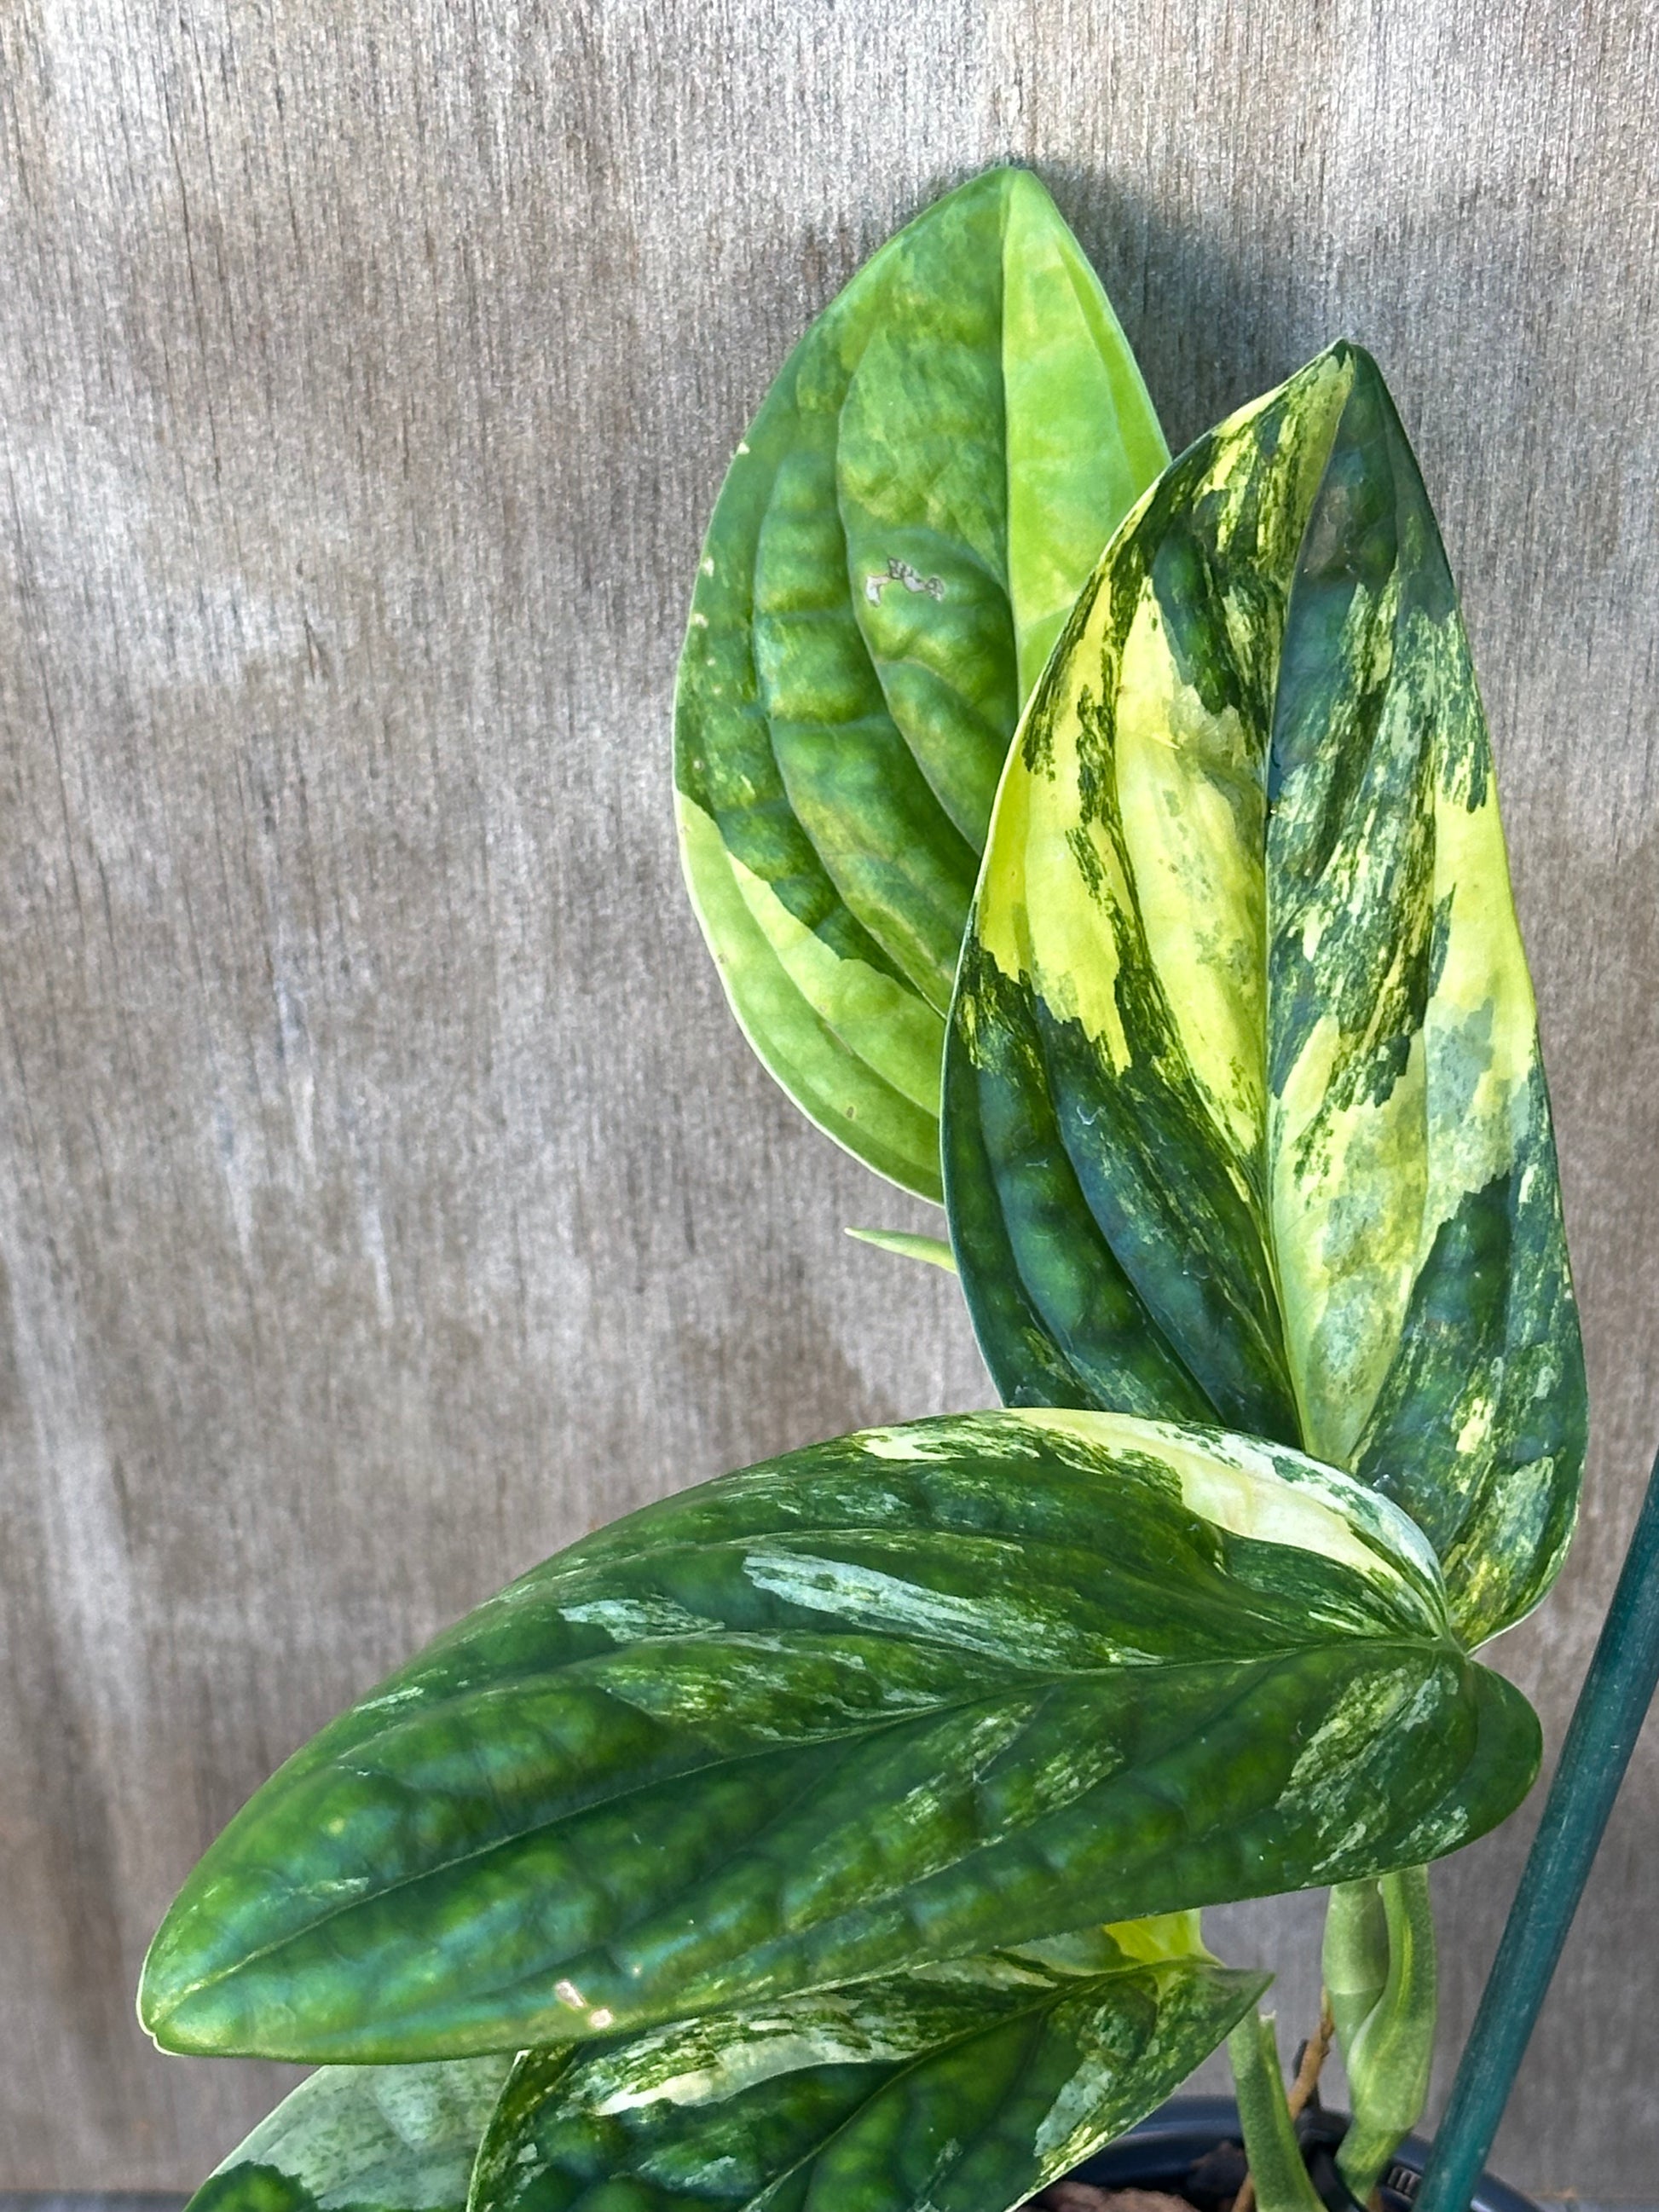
[900, 1698]
[1245, 1117]
[895, 547]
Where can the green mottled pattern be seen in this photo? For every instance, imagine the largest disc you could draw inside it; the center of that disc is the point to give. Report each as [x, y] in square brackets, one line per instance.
[901, 1697]
[964, 2087]
[364, 2139]
[1244, 1114]
[895, 548]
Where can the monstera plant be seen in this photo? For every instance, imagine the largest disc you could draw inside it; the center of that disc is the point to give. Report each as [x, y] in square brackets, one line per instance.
[1108, 847]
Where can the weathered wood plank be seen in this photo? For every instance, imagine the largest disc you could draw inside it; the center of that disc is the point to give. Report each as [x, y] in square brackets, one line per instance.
[384, 1196]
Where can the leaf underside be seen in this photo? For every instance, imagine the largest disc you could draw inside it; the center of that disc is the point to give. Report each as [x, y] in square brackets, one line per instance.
[395, 2138]
[1245, 1118]
[891, 1700]
[896, 543]
[966, 2087]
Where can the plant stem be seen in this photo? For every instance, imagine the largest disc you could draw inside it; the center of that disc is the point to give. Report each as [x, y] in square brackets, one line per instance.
[1390, 2058]
[1318, 2049]
[1277, 2169]
[1314, 2056]
[1355, 1958]
[1616, 1697]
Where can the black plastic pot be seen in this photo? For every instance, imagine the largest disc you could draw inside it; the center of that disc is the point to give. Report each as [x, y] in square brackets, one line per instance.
[1179, 2149]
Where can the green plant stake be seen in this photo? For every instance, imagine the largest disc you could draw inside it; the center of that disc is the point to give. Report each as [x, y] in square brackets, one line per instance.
[1605, 1722]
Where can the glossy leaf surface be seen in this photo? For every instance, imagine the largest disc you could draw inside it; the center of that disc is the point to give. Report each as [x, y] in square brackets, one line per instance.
[393, 2138]
[1245, 1117]
[964, 2088]
[896, 544]
[908, 1695]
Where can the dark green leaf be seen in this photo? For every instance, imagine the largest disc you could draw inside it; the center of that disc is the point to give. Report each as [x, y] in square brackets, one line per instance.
[925, 1691]
[961, 2087]
[896, 544]
[1244, 1117]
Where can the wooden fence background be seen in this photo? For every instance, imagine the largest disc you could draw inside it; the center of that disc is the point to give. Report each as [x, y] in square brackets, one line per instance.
[386, 1195]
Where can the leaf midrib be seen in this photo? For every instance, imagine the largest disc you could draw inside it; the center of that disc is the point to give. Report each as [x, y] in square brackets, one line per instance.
[1270, 1224]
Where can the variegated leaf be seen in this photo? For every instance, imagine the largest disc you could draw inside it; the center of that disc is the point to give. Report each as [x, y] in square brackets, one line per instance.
[370, 2138]
[961, 2087]
[1245, 1115]
[896, 544]
[901, 1698]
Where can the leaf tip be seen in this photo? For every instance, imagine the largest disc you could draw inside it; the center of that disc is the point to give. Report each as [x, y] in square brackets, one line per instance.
[934, 1251]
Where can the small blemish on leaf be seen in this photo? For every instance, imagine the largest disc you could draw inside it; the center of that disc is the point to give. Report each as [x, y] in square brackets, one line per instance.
[901, 572]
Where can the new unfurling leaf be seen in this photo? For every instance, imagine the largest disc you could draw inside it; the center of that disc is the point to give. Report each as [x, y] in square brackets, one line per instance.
[913, 1694]
[899, 538]
[1244, 1114]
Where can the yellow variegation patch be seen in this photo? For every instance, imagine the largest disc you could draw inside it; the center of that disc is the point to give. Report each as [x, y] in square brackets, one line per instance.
[1244, 1108]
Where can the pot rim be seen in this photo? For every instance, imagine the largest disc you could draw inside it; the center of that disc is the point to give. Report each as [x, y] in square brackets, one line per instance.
[1160, 2148]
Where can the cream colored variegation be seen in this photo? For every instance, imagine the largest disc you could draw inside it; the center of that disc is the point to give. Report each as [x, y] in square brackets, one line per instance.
[964, 2087]
[1275, 1496]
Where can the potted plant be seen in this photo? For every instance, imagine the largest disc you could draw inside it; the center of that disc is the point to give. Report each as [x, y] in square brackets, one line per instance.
[1107, 847]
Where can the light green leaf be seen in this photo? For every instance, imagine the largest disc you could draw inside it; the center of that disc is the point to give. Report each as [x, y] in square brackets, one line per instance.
[370, 2138]
[1245, 1117]
[894, 550]
[910, 1695]
[933, 1250]
[961, 2087]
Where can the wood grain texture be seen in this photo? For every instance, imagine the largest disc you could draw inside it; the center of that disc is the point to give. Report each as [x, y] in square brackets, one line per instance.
[384, 1193]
